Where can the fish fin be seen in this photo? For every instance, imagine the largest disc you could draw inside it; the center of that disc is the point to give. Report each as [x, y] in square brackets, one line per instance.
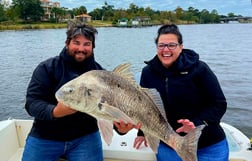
[123, 71]
[115, 113]
[153, 142]
[186, 146]
[106, 129]
[156, 98]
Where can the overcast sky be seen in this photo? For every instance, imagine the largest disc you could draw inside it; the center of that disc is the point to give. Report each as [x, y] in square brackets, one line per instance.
[242, 7]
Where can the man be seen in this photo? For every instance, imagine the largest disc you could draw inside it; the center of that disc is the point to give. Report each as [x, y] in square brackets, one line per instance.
[58, 130]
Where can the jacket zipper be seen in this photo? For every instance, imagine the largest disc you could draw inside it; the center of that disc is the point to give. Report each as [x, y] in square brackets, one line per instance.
[166, 85]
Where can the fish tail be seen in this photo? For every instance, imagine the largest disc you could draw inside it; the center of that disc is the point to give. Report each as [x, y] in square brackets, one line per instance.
[187, 146]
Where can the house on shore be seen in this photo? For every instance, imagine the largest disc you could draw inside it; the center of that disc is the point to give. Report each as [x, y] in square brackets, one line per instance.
[134, 22]
[47, 6]
[123, 22]
[141, 21]
[83, 18]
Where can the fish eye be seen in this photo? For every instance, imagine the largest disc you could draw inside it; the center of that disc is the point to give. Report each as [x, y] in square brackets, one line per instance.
[69, 90]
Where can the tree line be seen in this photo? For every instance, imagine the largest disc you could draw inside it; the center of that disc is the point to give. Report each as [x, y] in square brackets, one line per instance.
[32, 11]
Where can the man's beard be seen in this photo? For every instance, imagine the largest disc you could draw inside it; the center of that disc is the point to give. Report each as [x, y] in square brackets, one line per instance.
[79, 56]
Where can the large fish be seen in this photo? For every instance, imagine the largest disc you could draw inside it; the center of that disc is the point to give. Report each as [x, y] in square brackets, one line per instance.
[114, 95]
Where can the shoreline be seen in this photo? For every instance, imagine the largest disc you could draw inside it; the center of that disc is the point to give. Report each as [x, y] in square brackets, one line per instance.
[96, 23]
[46, 25]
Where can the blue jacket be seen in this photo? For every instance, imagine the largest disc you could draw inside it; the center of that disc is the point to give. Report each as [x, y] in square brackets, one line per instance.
[47, 78]
[189, 90]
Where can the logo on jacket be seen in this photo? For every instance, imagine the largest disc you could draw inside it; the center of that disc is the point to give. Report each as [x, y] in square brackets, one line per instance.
[185, 72]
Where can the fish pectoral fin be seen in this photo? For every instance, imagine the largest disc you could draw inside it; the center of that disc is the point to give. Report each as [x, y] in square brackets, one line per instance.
[106, 129]
[153, 142]
[115, 113]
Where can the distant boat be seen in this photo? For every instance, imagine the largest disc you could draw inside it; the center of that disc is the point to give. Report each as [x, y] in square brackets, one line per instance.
[14, 132]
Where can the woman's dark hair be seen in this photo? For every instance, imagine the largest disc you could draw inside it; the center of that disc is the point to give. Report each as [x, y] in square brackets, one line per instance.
[169, 29]
[76, 28]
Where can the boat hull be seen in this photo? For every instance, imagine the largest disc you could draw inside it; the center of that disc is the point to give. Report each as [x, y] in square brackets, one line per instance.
[14, 132]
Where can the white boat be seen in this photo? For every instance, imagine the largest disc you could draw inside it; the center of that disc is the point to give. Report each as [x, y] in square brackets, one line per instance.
[14, 132]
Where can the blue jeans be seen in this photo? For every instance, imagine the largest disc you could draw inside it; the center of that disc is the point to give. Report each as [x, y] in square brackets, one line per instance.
[215, 152]
[85, 148]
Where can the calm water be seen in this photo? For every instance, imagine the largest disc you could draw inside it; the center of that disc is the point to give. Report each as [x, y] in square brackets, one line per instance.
[225, 47]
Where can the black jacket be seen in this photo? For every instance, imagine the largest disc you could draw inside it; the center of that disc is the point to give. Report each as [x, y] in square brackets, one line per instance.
[189, 90]
[47, 78]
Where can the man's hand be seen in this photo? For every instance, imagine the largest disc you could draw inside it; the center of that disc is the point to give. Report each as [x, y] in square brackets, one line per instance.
[61, 110]
[123, 127]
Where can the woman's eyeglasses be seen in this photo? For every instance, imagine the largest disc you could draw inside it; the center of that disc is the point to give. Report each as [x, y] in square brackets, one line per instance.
[170, 46]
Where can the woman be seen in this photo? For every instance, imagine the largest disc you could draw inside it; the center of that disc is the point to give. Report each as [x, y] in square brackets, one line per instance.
[191, 95]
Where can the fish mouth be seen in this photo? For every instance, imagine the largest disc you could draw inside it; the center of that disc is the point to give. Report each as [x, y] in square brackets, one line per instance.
[59, 95]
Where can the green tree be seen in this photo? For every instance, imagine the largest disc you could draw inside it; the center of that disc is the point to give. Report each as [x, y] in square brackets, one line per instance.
[214, 17]
[132, 11]
[194, 14]
[231, 14]
[81, 10]
[204, 16]
[179, 12]
[120, 13]
[107, 11]
[187, 16]
[30, 10]
[12, 13]
[150, 12]
[58, 13]
[96, 14]
[2, 13]
[141, 12]
[7, 12]
[132, 8]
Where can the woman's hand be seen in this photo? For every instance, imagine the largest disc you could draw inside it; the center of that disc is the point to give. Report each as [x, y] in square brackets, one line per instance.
[61, 110]
[186, 127]
[139, 140]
